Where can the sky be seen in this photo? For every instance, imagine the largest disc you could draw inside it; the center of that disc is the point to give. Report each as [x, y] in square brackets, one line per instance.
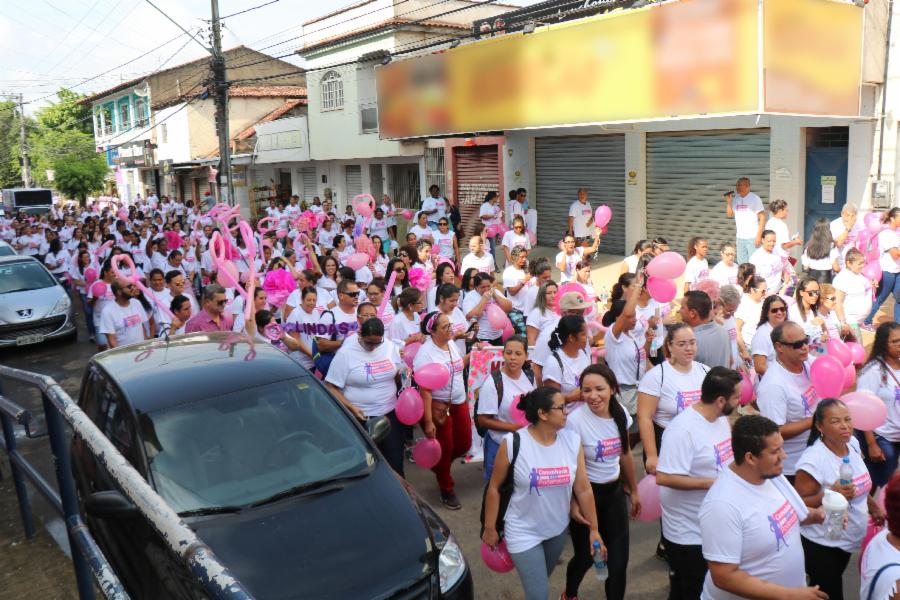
[47, 44]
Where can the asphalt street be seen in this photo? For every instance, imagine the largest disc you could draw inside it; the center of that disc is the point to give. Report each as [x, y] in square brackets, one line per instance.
[647, 575]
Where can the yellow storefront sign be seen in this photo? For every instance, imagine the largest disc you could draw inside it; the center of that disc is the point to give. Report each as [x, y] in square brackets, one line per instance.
[682, 58]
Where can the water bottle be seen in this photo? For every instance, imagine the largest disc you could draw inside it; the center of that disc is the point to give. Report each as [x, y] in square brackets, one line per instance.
[845, 473]
[600, 569]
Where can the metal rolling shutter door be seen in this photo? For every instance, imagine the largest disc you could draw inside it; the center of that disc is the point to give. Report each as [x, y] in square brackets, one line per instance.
[187, 188]
[353, 181]
[564, 164]
[308, 177]
[687, 173]
[477, 173]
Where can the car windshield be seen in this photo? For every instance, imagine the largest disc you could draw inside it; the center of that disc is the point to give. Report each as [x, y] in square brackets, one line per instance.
[24, 276]
[243, 448]
[7, 250]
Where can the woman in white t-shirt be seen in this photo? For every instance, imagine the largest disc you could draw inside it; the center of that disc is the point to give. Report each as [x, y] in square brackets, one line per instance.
[443, 273]
[568, 358]
[568, 257]
[629, 265]
[302, 323]
[363, 376]
[697, 268]
[879, 566]
[489, 214]
[475, 306]
[447, 303]
[495, 414]
[831, 444]
[515, 237]
[667, 389]
[773, 314]
[889, 247]
[805, 312]
[445, 243]
[854, 290]
[405, 328]
[421, 229]
[602, 424]
[770, 265]
[746, 317]
[446, 417]
[548, 470]
[880, 375]
[477, 258]
[57, 260]
[821, 258]
[542, 316]
[516, 279]
[778, 210]
[726, 271]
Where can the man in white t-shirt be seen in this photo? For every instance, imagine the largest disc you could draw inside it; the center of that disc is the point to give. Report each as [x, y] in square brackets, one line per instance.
[435, 206]
[786, 394]
[750, 522]
[581, 217]
[123, 321]
[746, 208]
[340, 322]
[696, 448]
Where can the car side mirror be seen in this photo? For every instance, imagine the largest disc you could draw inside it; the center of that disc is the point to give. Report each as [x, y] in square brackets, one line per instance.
[110, 504]
[378, 428]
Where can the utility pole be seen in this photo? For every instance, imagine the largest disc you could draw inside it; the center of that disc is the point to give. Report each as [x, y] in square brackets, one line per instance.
[220, 95]
[23, 141]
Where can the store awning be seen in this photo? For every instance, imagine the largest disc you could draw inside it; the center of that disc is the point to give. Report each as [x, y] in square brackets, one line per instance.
[684, 58]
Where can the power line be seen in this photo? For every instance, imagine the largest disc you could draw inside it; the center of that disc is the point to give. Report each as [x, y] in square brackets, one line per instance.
[176, 23]
[240, 12]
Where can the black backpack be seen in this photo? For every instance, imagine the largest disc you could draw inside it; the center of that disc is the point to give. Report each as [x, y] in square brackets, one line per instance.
[506, 489]
[497, 376]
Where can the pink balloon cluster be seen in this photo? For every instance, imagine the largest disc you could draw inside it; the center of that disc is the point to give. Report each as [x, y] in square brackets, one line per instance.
[409, 407]
[662, 271]
[226, 269]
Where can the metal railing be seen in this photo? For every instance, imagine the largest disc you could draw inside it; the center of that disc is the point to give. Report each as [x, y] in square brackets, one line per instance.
[89, 563]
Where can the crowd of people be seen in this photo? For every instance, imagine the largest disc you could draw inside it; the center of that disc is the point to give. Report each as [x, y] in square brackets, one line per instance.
[580, 378]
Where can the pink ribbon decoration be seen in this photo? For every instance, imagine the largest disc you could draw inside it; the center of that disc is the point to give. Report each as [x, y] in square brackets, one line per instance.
[264, 230]
[217, 250]
[480, 365]
[135, 280]
[387, 294]
[106, 246]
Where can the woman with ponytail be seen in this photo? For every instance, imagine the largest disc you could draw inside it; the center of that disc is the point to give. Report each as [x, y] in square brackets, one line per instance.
[880, 375]
[602, 425]
[548, 470]
[568, 358]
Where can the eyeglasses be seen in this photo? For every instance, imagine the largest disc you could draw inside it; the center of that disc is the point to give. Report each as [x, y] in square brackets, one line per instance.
[404, 255]
[685, 344]
[351, 294]
[370, 345]
[221, 302]
[442, 224]
[796, 345]
[778, 309]
[729, 254]
[812, 292]
[399, 270]
[760, 290]
[560, 408]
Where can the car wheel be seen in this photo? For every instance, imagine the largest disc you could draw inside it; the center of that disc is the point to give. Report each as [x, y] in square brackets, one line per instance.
[170, 581]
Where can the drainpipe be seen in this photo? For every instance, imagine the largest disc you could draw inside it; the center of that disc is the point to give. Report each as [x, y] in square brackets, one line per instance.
[887, 59]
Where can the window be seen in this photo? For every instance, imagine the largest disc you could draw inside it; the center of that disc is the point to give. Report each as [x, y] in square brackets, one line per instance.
[106, 114]
[332, 91]
[367, 98]
[164, 134]
[124, 117]
[140, 113]
[369, 119]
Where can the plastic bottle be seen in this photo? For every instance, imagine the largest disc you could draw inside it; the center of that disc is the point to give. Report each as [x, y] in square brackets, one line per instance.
[845, 473]
[600, 569]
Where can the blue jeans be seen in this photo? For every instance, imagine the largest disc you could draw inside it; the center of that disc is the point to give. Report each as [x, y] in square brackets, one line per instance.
[745, 248]
[490, 455]
[890, 284]
[536, 564]
[880, 472]
[88, 313]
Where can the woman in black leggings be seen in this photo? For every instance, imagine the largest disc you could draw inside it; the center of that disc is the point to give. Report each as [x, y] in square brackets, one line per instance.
[602, 424]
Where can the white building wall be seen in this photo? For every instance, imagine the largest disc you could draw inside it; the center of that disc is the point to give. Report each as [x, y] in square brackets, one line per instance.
[787, 156]
[177, 147]
[635, 188]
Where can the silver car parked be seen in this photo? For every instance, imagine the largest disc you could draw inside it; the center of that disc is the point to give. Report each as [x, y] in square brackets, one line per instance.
[33, 305]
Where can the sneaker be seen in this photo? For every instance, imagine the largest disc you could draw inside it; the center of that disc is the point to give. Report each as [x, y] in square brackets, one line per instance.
[867, 327]
[473, 458]
[409, 455]
[451, 501]
[661, 553]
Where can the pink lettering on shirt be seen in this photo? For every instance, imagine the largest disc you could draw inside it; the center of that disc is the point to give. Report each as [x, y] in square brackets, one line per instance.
[723, 453]
[732, 333]
[781, 522]
[863, 484]
[457, 365]
[379, 369]
[132, 320]
[607, 448]
[550, 477]
[685, 399]
[809, 400]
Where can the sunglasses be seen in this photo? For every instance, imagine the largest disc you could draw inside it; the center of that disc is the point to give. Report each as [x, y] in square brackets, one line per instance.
[812, 292]
[830, 298]
[444, 224]
[351, 294]
[778, 309]
[796, 345]
[221, 302]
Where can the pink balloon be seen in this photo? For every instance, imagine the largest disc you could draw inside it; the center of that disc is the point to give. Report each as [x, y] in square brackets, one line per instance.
[872, 255]
[364, 205]
[407, 214]
[501, 228]
[225, 270]
[508, 331]
[651, 510]
[872, 270]
[838, 349]
[99, 289]
[602, 215]
[863, 239]
[427, 453]
[517, 414]
[357, 260]
[668, 265]
[409, 353]
[90, 275]
[661, 290]
[409, 407]
[123, 215]
[497, 559]
[432, 376]
[866, 409]
[849, 377]
[857, 352]
[490, 231]
[827, 375]
[532, 238]
[746, 389]
[873, 222]
[496, 317]
[281, 233]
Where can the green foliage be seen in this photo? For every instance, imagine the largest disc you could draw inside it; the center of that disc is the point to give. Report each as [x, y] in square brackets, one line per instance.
[66, 114]
[10, 170]
[76, 178]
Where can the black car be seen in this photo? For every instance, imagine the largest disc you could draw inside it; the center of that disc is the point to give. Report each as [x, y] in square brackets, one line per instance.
[268, 468]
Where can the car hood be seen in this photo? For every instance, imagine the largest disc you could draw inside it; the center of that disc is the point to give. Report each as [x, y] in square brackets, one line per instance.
[365, 539]
[39, 302]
